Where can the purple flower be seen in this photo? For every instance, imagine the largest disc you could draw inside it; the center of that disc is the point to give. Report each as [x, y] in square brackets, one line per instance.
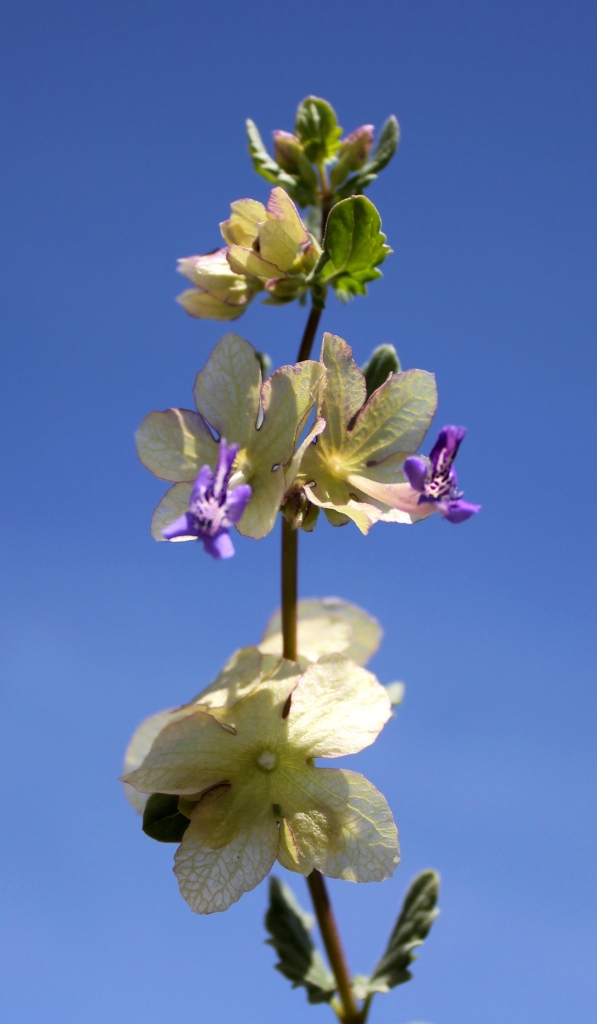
[436, 482]
[213, 507]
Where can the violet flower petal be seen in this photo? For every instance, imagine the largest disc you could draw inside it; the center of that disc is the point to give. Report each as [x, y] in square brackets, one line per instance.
[226, 457]
[448, 442]
[457, 511]
[415, 470]
[202, 482]
[237, 502]
[181, 527]
[220, 546]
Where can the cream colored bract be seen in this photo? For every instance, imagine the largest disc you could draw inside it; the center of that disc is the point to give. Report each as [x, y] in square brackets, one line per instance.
[265, 420]
[242, 755]
[365, 442]
[271, 245]
[327, 625]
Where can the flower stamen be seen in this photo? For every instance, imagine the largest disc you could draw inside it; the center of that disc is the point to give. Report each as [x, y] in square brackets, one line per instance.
[267, 760]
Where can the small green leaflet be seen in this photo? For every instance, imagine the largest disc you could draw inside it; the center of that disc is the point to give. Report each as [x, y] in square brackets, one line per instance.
[412, 927]
[387, 145]
[300, 962]
[354, 246]
[317, 128]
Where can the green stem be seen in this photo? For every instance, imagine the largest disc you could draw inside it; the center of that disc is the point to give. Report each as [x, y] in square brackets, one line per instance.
[289, 588]
[315, 313]
[309, 334]
[333, 946]
[350, 1013]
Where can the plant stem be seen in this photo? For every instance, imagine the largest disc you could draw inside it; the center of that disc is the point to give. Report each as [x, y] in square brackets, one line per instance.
[289, 588]
[315, 314]
[333, 946]
[315, 881]
[309, 334]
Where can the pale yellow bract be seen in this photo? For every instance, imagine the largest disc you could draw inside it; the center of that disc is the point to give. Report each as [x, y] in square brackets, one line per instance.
[240, 757]
[327, 625]
[269, 248]
[265, 420]
[219, 293]
[269, 243]
[365, 442]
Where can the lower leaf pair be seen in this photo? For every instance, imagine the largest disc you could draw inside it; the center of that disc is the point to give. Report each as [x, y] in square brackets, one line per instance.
[299, 960]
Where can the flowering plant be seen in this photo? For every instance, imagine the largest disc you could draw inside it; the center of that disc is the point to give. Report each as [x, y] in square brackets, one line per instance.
[230, 776]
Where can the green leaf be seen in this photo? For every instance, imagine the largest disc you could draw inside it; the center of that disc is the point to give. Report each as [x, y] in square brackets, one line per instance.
[412, 927]
[263, 163]
[317, 128]
[354, 245]
[382, 362]
[299, 960]
[387, 145]
[162, 820]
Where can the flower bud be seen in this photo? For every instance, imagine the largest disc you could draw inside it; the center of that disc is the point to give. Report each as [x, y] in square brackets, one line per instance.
[219, 293]
[352, 154]
[357, 146]
[382, 362]
[277, 251]
[287, 150]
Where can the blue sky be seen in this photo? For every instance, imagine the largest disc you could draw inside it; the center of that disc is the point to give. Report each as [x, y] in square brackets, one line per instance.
[123, 139]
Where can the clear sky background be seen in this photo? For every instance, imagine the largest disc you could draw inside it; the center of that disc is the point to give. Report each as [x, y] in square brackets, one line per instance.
[122, 131]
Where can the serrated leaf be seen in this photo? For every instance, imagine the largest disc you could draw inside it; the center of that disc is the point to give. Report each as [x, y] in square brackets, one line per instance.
[263, 163]
[387, 144]
[382, 362]
[299, 960]
[412, 927]
[318, 129]
[363, 986]
[354, 245]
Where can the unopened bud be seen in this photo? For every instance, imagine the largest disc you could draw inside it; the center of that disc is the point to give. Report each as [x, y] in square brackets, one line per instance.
[352, 154]
[382, 362]
[357, 146]
[288, 151]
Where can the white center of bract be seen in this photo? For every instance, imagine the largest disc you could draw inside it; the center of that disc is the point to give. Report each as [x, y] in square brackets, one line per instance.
[267, 760]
